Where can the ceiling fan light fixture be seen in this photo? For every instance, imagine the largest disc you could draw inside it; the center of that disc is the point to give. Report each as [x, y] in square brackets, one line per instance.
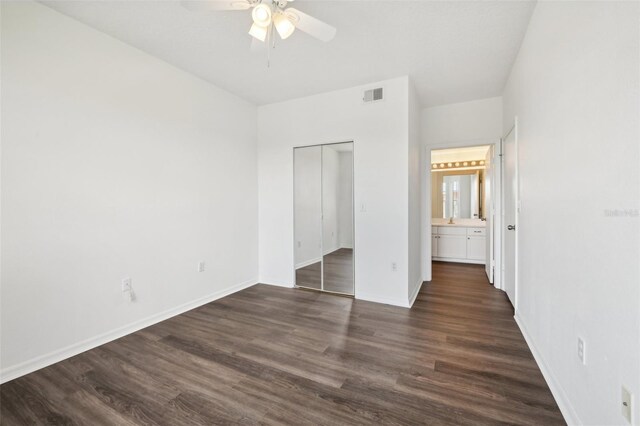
[261, 15]
[258, 32]
[283, 25]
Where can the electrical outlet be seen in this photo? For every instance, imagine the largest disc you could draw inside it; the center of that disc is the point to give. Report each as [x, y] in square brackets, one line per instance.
[582, 351]
[299, 244]
[394, 266]
[126, 284]
[200, 266]
[627, 400]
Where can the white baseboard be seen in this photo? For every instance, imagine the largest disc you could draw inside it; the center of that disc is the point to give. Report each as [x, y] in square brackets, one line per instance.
[568, 412]
[458, 260]
[331, 250]
[377, 299]
[29, 366]
[412, 297]
[308, 262]
[275, 283]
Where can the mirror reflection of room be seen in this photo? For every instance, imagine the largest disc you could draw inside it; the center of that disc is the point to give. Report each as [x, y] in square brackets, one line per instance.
[337, 223]
[323, 208]
[308, 216]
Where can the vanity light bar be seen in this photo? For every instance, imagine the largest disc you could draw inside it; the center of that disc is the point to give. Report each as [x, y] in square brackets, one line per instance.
[458, 164]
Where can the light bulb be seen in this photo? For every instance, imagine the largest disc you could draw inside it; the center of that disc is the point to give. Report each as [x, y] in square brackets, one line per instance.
[283, 25]
[258, 32]
[261, 15]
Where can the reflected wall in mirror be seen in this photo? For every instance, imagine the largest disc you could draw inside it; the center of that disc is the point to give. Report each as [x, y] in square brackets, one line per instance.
[457, 183]
[323, 208]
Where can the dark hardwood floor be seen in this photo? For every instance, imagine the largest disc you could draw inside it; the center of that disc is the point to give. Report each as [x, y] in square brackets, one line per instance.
[270, 355]
[337, 270]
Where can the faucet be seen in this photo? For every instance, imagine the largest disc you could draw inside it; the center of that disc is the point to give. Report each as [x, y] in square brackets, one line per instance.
[451, 220]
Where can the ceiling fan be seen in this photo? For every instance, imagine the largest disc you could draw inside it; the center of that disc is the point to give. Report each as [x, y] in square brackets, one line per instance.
[269, 16]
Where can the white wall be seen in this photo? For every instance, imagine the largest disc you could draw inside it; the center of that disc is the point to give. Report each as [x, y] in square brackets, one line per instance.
[345, 200]
[308, 205]
[379, 132]
[417, 196]
[462, 124]
[465, 121]
[575, 89]
[114, 164]
[330, 179]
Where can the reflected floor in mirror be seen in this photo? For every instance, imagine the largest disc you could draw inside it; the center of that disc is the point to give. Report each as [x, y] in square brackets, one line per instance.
[338, 273]
[309, 276]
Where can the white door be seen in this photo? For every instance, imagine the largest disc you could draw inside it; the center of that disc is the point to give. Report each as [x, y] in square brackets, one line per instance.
[434, 245]
[510, 213]
[454, 246]
[476, 248]
[488, 214]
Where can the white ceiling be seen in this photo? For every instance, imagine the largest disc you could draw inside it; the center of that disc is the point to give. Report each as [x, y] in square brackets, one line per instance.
[454, 51]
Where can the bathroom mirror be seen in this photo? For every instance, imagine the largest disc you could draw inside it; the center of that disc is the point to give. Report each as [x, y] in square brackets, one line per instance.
[458, 194]
[458, 182]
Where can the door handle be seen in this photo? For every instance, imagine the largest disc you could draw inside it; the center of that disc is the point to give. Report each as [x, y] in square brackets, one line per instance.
[511, 227]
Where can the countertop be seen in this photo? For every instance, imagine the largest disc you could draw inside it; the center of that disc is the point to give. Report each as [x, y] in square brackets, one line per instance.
[461, 223]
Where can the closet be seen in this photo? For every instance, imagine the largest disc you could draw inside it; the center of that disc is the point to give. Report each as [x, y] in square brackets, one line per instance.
[323, 217]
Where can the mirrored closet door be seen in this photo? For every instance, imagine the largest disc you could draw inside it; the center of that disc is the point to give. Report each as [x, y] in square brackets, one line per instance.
[323, 209]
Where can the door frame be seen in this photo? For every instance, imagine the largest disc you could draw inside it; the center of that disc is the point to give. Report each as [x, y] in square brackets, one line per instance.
[495, 209]
[514, 129]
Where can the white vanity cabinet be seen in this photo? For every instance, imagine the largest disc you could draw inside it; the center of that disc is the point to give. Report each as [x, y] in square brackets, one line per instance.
[451, 242]
[458, 244]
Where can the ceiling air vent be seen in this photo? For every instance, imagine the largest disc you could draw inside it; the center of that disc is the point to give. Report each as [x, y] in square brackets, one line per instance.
[373, 95]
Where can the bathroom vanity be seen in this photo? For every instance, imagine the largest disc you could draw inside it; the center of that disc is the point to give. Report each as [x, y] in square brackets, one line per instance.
[463, 241]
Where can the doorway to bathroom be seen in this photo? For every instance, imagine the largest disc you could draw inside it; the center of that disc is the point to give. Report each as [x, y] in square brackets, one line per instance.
[464, 214]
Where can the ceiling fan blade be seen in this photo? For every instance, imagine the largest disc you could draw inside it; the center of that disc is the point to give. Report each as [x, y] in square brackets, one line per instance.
[216, 5]
[310, 25]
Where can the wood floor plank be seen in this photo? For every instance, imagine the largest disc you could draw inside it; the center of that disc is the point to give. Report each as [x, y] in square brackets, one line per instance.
[276, 356]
